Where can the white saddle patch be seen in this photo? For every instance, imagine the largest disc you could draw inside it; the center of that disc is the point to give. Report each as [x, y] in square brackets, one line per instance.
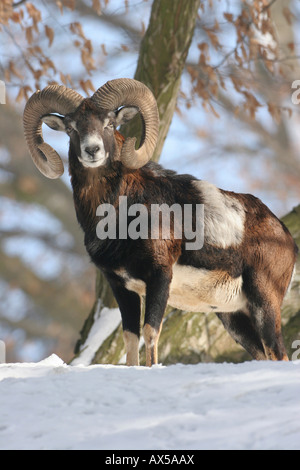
[224, 216]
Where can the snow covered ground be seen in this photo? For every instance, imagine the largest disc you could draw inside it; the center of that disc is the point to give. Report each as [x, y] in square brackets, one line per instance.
[50, 405]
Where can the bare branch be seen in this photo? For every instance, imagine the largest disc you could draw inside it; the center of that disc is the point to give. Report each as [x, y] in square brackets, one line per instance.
[17, 4]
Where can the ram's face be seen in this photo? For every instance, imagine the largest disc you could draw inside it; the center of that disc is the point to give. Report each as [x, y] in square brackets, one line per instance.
[92, 136]
[91, 132]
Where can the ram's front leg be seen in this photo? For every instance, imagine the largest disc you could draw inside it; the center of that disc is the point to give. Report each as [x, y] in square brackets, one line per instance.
[130, 307]
[157, 293]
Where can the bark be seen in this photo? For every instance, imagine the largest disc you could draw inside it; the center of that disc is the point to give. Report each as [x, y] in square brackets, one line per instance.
[162, 57]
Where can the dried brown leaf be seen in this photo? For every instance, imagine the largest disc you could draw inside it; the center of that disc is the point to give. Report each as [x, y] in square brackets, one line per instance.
[216, 26]
[63, 78]
[76, 28]
[34, 13]
[103, 47]
[50, 34]
[87, 60]
[203, 46]
[251, 103]
[48, 64]
[60, 6]
[213, 39]
[237, 82]
[88, 46]
[29, 35]
[38, 74]
[7, 75]
[97, 7]
[38, 50]
[69, 4]
[14, 70]
[192, 72]
[20, 95]
[238, 58]
[228, 17]
[217, 115]
[87, 85]
[275, 112]
[90, 85]
[27, 91]
[6, 11]
[16, 17]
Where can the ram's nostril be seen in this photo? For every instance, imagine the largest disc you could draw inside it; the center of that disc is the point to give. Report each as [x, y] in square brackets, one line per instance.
[92, 150]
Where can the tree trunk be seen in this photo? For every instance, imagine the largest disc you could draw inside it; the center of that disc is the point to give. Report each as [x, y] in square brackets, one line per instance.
[162, 57]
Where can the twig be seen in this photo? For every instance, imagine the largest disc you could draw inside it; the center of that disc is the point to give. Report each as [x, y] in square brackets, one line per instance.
[17, 4]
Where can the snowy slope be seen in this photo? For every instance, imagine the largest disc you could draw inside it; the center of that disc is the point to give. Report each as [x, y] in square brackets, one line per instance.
[50, 405]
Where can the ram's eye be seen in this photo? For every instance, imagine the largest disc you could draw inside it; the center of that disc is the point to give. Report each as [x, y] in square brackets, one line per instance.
[70, 129]
[108, 122]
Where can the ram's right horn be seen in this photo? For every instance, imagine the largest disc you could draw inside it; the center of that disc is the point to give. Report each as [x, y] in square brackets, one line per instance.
[52, 99]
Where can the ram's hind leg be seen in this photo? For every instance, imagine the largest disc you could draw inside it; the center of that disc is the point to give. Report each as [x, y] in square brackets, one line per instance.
[241, 328]
[265, 282]
[268, 321]
[265, 291]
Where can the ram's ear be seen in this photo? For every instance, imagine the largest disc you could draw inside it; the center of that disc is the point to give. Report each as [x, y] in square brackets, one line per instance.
[54, 122]
[126, 114]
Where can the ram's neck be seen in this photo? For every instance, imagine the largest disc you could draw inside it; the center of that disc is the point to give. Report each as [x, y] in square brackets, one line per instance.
[92, 187]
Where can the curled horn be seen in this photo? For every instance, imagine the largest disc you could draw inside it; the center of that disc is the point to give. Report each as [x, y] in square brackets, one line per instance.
[52, 99]
[129, 92]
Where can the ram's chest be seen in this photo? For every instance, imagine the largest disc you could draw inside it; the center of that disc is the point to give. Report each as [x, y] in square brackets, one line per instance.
[198, 290]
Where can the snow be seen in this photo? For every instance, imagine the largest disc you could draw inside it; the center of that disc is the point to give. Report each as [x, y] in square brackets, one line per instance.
[106, 320]
[51, 405]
